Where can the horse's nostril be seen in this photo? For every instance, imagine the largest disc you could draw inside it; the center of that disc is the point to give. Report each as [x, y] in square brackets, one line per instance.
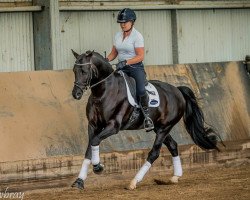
[78, 94]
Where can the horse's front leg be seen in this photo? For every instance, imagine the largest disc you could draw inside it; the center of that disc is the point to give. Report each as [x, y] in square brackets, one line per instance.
[79, 183]
[112, 128]
[92, 152]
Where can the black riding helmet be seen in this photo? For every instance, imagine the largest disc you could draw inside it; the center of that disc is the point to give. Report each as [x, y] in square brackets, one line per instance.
[126, 15]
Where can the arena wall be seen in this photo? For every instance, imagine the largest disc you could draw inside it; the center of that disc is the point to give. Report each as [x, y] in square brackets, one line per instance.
[43, 130]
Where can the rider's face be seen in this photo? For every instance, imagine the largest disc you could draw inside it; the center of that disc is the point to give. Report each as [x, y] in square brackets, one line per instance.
[126, 26]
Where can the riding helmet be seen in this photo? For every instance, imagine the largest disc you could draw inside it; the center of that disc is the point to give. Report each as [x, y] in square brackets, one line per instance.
[126, 15]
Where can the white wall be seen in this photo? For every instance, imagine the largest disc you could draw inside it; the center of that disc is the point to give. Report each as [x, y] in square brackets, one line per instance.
[16, 42]
[213, 35]
[95, 30]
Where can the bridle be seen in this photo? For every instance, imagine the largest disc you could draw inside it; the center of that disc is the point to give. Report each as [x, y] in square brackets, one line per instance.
[86, 85]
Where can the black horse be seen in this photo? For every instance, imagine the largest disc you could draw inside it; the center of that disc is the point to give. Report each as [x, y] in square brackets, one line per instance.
[108, 112]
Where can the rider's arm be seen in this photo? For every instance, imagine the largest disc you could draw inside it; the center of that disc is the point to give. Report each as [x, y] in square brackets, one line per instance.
[139, 56]
[113, 54]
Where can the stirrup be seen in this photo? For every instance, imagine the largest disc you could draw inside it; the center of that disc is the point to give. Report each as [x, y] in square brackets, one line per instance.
[148, 124]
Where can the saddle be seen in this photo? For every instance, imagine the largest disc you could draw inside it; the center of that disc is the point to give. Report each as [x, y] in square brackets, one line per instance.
[154, 100]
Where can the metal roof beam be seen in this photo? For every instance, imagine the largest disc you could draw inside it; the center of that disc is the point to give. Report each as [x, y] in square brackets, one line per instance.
[21, 9]
[144, 5]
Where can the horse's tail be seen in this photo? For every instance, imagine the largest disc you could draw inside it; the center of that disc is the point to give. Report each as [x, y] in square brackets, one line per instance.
[193, 118]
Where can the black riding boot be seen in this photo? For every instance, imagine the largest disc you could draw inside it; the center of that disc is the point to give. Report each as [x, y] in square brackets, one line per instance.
[148, 123]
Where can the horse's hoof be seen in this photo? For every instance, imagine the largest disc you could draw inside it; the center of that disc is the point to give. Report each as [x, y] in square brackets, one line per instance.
[78, 184]
[132, 185]
[98, 169]
[174, 179]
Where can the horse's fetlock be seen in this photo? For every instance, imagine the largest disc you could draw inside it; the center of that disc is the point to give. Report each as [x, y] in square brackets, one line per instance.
[98, 169]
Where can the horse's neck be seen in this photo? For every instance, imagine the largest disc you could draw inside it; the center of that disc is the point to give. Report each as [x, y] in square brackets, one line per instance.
[104, 68]
[104, 71]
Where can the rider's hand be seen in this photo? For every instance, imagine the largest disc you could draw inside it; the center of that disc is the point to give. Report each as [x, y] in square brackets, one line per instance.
[121, 64]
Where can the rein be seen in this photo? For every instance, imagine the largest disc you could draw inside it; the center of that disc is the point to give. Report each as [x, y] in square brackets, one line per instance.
[91, 86]
[87, 84]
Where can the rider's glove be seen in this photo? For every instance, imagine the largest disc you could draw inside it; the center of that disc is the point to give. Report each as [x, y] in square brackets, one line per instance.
[121, 64]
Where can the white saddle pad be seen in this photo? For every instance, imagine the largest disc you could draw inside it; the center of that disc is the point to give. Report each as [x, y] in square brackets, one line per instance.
[154, 100]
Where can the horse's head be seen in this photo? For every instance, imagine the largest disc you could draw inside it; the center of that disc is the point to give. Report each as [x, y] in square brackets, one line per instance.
[84, 70]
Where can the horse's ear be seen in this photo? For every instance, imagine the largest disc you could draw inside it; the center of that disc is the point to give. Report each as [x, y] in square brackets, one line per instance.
[89, 53]
[74, 53]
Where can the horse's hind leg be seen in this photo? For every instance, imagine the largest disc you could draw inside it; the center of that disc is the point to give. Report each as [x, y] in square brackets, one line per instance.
[173, 148]
[152, 156]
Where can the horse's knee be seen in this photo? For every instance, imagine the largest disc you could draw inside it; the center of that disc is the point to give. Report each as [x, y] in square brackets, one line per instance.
[95, 141]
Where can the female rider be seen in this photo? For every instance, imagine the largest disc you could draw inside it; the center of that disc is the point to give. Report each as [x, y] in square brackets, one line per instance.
[129, 47]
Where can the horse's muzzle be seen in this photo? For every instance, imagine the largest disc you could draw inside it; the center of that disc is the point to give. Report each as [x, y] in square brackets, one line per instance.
[77, 93]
